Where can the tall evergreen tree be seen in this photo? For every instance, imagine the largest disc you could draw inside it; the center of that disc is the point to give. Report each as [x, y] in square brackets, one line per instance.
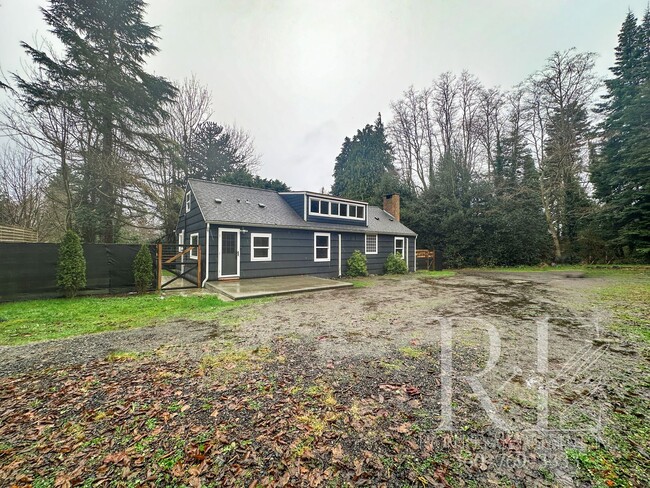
[621, 171]
[364, 164]
[211, 156]
[102, 79]
[244, 177]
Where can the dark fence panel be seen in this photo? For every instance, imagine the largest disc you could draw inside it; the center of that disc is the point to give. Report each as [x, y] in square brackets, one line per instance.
[28, 270]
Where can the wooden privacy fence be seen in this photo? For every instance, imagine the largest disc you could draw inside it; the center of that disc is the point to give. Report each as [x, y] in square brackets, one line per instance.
[17, 234]
[176, 262]
[428, 259]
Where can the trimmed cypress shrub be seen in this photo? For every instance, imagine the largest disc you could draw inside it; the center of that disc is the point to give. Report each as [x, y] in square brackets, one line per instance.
[71, 267]
[395, 264]
[143, 269]
[357, 264]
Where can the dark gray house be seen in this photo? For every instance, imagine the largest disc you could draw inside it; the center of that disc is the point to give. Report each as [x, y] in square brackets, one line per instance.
[253, 233]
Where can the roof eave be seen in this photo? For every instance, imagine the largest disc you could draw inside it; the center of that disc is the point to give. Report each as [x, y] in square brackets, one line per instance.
[364, 230]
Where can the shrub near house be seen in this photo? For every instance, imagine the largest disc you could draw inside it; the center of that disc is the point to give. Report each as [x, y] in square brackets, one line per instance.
[395, 264]
[357, 264]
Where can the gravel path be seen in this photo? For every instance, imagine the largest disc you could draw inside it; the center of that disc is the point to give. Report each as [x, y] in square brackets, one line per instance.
[82, 349]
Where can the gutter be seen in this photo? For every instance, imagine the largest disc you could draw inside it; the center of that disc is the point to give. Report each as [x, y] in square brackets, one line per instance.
[415, 263]
[207, 254]
[340, 269]
[362, 230]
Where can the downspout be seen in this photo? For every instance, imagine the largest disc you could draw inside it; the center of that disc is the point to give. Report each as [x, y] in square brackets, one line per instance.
[340, 269]
[207, 254]
[406, 250]
[415, 263]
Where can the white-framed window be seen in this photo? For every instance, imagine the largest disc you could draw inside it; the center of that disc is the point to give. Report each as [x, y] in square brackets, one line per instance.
[181, 240]
[372, 244]
[194, 241]
[331, 208]
[321, 246]
[260, 247]
[400, 247]
[188, 201]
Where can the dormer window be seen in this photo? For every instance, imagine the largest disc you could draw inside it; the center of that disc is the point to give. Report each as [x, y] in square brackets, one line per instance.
[329, 208]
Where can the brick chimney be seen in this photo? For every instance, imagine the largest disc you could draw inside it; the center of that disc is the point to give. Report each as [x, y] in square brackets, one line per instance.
[391, 205]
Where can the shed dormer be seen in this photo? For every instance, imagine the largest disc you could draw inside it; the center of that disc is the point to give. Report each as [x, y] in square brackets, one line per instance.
[327, 209]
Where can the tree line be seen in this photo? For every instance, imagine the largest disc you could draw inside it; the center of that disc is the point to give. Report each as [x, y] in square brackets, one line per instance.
[548, 171]
[98, 144]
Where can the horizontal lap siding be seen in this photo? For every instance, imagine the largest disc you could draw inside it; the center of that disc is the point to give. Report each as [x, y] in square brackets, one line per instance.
[335, 220]
[296, 202]
[292, 253]
[385, 247]
[192, 222]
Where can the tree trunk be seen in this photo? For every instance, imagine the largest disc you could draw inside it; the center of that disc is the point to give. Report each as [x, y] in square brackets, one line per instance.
[549, 221]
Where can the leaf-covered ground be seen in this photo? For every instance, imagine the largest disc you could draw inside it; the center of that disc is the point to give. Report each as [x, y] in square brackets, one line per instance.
[265, 417]
[344, 388]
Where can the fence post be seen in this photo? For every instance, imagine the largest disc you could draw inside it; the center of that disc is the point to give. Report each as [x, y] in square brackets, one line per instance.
[159, 266]
[198, 269]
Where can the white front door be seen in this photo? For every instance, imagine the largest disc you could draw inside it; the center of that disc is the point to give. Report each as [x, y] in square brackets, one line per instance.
[228, 253]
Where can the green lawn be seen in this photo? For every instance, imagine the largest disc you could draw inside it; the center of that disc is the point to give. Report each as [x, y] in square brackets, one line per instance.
[435, 274]
[38, 320]
[629, 301]
[620, 455]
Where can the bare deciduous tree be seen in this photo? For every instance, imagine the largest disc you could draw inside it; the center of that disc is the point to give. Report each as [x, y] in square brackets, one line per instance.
[559, 97]
[21, 184]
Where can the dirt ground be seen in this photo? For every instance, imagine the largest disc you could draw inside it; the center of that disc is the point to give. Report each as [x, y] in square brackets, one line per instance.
[368, 321]
[531, 375]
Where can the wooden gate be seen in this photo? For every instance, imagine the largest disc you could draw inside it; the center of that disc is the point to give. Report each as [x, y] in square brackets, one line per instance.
[177, 261]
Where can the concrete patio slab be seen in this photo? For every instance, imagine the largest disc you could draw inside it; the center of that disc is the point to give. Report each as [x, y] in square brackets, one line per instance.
[281, 285]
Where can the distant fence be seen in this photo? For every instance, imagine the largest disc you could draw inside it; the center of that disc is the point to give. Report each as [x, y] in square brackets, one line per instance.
[428, 259]
[17, 234]
[28, 270]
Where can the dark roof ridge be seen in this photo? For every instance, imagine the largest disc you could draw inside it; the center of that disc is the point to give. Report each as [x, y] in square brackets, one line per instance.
[230, 184]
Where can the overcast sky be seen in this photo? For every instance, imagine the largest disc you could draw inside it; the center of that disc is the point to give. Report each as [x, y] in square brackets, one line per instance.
[302, 75]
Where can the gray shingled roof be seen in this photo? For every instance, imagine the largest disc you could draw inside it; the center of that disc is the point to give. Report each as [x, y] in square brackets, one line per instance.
[241, 205]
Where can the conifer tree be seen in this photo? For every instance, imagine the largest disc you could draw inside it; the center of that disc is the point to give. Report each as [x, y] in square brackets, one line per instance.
[363, 163]
[101, 78]
[71, 268]
[143, 269]
[621, 171]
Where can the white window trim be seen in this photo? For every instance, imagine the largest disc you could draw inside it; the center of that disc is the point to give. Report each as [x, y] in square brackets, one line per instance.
[270, 246]
[329, 246]
[402, 254]
[376, 243]
[181, 240]
[193, 253]
[336, 216]
[188, 201]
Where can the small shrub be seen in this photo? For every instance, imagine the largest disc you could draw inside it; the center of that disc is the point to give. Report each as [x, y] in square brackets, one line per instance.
[357, 264]
[143, 269]
[395, 264]
[71, 268]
